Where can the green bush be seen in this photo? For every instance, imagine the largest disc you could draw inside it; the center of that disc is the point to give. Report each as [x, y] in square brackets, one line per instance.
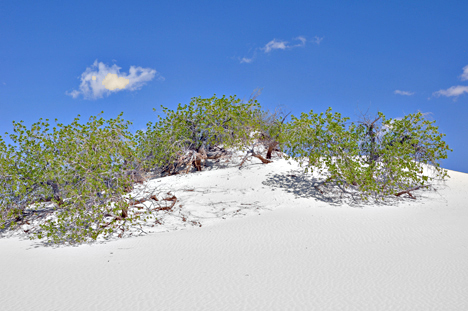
[204, 123]
[376, 158]
[85, 170]
[82, 169]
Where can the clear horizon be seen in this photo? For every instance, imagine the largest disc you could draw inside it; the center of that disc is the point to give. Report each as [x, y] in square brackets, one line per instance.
[62, 59]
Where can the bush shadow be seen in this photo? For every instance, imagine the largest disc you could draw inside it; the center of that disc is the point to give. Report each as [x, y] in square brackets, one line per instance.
[303, 185]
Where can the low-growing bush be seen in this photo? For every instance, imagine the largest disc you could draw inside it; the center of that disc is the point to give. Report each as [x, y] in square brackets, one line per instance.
[201, 125]
[80, 168]
[375, 158]
[85, 171]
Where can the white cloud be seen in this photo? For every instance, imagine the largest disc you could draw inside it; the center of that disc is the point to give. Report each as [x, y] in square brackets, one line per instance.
[464, 75]
[279, 45]
[74, 93]
[283, 45]
[403, 93]
[453, 91]
[318, 40]
[275, 45]
[302, 39]
[246, 60]
[99, 80]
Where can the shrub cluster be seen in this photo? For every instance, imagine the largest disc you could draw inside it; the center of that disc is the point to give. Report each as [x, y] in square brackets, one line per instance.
[85, 171]
[377, 158]
[80, 168]
[201, 125]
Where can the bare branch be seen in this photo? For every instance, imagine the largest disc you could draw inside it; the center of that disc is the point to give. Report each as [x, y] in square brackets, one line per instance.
[412, 189]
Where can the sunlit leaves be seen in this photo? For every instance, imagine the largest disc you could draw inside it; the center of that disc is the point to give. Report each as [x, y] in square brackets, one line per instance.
[204, 121]
[378, 158]
[84, 168]
[78, 167]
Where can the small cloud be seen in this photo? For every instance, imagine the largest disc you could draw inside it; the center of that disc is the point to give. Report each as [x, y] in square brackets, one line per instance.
[279, 45]
[464, 75]
[283, 45]
[454, 91]
[302, 39]
[275, 45]
[406, 93]
[246, 60]
[318, 40]
[100, 79]
[74, 93]
[426, 114]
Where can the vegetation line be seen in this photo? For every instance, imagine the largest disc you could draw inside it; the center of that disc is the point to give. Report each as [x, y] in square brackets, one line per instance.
[75, 180]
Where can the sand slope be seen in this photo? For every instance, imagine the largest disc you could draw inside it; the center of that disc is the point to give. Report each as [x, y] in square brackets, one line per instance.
[280, 247]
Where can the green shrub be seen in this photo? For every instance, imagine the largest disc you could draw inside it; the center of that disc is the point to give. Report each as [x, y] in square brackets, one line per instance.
[85, 170]
[82, 169]
[204, 123]
[376, 157]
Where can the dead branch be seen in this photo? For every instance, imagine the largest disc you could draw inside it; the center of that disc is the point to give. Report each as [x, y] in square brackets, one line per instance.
[216, 154]
[167, 208]
[409, 190]
[125, 212]
[317, 188]
[197, 163]
[264, 161]
[245, 158]
[252, 153]
[196, 158]
[134, 202]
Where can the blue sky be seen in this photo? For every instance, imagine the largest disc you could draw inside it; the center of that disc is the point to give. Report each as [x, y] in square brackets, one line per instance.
[398, 57]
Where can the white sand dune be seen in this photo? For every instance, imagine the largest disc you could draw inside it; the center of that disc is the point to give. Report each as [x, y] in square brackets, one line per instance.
[266, 242]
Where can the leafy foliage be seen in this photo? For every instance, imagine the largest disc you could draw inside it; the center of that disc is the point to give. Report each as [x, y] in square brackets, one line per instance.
[79, 168]
[204, 123]
[84, 171]
[376, 158]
